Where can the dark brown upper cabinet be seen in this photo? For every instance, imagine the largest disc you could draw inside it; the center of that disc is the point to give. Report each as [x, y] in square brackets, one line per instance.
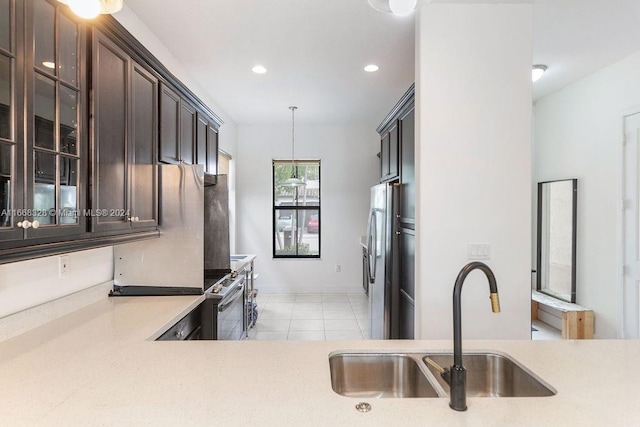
[83, 120]
[125, 123]
[178, 128]
[212, 150]
[43, 140]
[169, 125]
[389, 155]
[207, 144]
[187, 133]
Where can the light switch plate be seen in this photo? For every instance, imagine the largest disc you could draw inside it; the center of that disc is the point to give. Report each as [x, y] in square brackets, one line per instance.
[479, 251]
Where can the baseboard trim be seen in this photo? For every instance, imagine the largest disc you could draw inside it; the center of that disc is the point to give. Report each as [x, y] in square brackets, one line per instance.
[299, 289]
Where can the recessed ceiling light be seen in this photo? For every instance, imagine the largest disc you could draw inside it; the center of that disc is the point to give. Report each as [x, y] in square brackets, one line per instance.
[49, 64]
[259, 69]
[537, 72]
[371, 68]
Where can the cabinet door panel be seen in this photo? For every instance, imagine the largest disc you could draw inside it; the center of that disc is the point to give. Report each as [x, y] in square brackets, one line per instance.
[142, 142]
[170, 115]
[110, 111]
[201, 142]
[187, 125]
[408, 179]
[393, 153]
[212, 150]
[384, 157]
[407, 315]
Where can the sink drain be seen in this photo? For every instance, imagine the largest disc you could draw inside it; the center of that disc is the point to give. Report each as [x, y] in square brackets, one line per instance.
[363, 407]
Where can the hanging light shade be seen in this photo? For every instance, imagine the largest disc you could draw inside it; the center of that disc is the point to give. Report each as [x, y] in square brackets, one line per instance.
[396, 7]
[89, 9]
[294, 181]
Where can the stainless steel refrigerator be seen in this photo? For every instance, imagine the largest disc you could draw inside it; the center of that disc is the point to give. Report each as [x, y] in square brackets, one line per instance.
[382, 248]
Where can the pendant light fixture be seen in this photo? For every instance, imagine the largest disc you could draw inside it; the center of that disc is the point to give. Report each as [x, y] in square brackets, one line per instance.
[89, 9]
[396, 7]
[294, 181]
[537, 72]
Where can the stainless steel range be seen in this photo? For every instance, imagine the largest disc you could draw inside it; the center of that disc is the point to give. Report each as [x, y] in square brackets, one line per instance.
[219, 317]
[223, 311]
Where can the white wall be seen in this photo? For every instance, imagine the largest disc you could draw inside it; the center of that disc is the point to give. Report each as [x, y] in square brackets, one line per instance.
[578, 132]
[227, 137]
[30, 283]
[473, 95]
[349, 168]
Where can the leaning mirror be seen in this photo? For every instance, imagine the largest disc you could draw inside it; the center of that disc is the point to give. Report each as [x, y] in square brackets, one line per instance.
[556, 264]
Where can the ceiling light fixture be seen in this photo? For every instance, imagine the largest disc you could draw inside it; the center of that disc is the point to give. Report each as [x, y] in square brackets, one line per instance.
[371, 68]
[537, 72]
[89, 9]
[259, 69]
[396, 7]
[294, 181]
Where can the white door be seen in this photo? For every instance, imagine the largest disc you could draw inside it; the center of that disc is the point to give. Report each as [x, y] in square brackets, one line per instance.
[631, 156]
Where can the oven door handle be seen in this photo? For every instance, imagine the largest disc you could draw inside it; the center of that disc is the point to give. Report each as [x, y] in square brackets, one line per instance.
[237, 293]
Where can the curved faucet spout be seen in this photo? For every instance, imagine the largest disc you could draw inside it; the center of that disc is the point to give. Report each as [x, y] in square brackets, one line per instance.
[457, 373]
[457, 308]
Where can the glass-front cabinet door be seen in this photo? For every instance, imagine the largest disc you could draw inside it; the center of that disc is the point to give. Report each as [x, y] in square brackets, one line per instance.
[11, 129]
[55, 128]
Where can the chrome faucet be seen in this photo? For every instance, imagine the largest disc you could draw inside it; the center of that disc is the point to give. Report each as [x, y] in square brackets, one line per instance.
[456, 376]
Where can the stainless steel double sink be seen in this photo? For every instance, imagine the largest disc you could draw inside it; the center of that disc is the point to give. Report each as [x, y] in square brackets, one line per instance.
[406, 374]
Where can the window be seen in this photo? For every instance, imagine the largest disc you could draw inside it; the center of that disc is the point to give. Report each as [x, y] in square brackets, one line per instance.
[296, 210]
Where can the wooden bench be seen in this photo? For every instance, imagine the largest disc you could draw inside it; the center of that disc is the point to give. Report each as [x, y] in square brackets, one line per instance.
[577, 321]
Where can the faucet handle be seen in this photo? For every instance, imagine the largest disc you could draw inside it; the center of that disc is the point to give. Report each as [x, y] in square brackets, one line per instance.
[435, 366]
[495, 302]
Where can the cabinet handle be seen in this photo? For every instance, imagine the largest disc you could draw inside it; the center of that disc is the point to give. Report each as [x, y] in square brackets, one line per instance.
[35, 224]
[25, 224]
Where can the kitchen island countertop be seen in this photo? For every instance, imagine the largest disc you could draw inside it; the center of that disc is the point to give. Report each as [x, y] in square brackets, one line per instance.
[96, 366]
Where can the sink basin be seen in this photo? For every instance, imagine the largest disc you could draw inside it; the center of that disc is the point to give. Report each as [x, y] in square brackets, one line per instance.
[379, 375]
[491, 374]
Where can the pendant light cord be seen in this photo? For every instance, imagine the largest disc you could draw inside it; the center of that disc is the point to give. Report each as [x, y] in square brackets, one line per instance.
[293, 144]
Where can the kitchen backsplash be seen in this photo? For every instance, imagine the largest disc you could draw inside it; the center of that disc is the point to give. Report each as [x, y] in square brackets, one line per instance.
[27, 284]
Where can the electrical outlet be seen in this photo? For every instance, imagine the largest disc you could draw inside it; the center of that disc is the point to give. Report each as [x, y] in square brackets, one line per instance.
[63, 266]
[338, 268]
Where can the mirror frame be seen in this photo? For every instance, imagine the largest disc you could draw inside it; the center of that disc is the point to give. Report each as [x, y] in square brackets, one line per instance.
[574, 213]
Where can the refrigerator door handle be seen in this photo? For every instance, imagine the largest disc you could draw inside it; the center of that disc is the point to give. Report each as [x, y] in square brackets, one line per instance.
[372, 246]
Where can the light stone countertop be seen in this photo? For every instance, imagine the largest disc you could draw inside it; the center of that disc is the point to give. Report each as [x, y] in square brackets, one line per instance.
[240, 264]
[96, 366]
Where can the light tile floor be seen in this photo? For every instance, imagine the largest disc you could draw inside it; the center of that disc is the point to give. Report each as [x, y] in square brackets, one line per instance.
[311, 317]
[544, 331]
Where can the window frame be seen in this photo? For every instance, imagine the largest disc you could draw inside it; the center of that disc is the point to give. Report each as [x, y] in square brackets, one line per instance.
[295, 208]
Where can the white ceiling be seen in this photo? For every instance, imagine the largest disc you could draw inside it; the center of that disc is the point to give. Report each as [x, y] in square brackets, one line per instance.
[315, 50]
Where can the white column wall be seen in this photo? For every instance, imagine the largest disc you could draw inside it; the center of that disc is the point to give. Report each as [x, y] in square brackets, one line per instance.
[474, 164]
[349, 168]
